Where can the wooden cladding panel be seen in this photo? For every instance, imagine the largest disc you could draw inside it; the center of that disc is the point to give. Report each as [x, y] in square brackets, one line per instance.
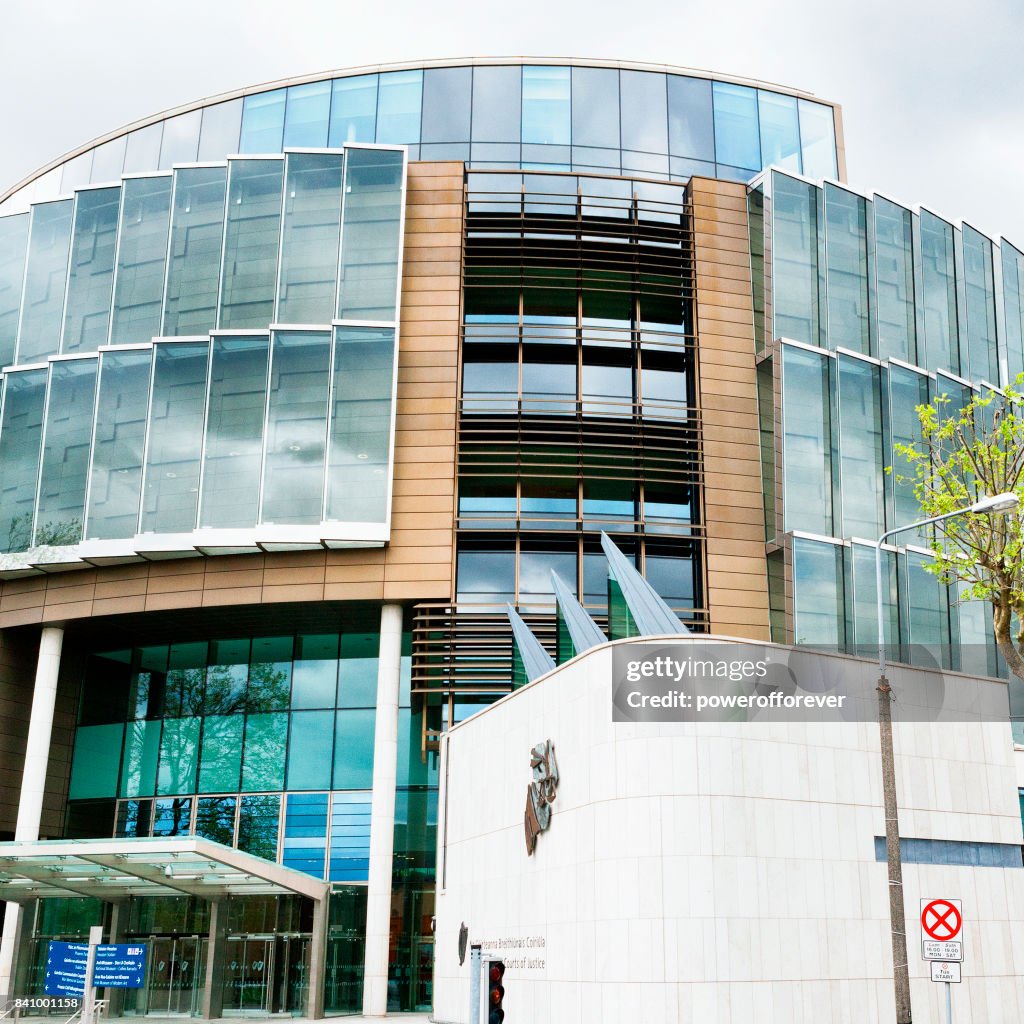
[737, 570]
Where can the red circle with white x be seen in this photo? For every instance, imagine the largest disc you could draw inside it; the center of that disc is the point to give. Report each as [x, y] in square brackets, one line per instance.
[941, 920]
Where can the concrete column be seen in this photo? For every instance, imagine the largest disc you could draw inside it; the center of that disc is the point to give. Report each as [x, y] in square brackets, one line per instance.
[118, 927]
[216, 958]
[382, 815]
[33, 781]
[318, 959]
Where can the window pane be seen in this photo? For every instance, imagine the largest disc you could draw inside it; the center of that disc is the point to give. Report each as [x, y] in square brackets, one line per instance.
[862, 601]
[142, 152]
[691, 124]
[780, 131]
[497, 95]
[353, 110]
[927, 605]
[447, 99]
[860, 447]
[185, 679]
[398, 107]
[907, 390]
[981, 358]
[45, 277]
[847, 269]
[215, 819]
[197, 236]
[20, 434]
[116, 480]
[608, 500]
[263, 122]
[737, 142]
[305, 833]
[350, 837]
[644, 111]
[91, 275]
[220, 131]
[315, 673]
[138, 765]
[108, 160]
[175, 438]
[179, 756]
[141, 259]
[308, 113]
[309, 766]
[251, 243]
[819, 618]
[818, 139]
[357, 685]
[296, 428]
[357, 486]
[546, 105]
[795, 220]
[258, 822]
[221, 756]
[549, 499]
[270, 674]
[595, 107]
[181, 139]
[353, 749]
[487, 575]
[1013, 308]
[13, 245]
[66, 452]
[308, 279]
[369, 241]
[172, 817]
[234, 432]
[226, 676]
[671, 576]
[134, 819]
[894, 277]
[94, 768]
[265, 743]
[535, 567]
[941, 336]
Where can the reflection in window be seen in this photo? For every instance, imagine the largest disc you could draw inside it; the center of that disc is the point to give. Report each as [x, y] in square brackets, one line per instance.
[13, 243]
[546, 105]
[220, 130]
[819, 618]
[860, 445]
[227, 670]
[263, 122]
[305, 833]
[353, 748]
[45, 279]
[221, 754]
[1013, 307]
[737, 139]
[981, 358]
[485, 497]
[862, 601]
[91, 273]
[941, 338]
[93, 769]
[606, 383]
[172, 817]
[670, 572]
[535, 568]
[447, 100]
[307, 113]
[607, 502]
[595, 108]
[398, 107]
[258, 822]
[353, 110]
[780, 131]
[644, 115]
[263, 758]
[907, 390]
[551, 500]
[315, 672]
[847, 269]
[270, 674]
[486, 572]
[894, 281]
[215, 819]
[927, 606]
[796, 215]
[134, 819]
[179, 756]
[496, 104]
[350, 837]
[139, 761]
[691, 129]
[818, 139]
[180, 142]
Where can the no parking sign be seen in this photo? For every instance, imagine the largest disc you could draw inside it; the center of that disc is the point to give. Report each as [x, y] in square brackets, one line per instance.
[942, 930]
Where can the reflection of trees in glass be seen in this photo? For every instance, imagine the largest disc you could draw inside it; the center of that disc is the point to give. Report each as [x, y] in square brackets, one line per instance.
[173, 817]
[257, 825]
[265, 741]
[269, 686]
[58, 533]
[19, 532]
[215, 819]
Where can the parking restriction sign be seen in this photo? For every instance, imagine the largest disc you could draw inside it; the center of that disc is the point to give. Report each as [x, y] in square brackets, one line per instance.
[942, 930]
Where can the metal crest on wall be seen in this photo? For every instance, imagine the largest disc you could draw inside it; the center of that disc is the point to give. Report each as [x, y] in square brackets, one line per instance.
[540, 794]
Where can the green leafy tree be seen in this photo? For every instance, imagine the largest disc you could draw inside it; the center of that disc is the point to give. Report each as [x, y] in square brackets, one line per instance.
[963, 455]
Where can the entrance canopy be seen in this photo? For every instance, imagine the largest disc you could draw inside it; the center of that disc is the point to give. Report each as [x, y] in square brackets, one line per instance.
[112, 869]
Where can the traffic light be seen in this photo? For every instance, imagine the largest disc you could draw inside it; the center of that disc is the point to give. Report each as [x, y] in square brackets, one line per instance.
[495, 992]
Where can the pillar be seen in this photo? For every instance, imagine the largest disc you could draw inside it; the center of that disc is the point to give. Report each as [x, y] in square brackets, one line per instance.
[382, 814]
[216, 957]
[33, 781]
[118, 927]
[318, 958]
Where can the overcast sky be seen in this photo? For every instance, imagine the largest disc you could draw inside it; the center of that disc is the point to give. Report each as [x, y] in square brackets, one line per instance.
[931, 93]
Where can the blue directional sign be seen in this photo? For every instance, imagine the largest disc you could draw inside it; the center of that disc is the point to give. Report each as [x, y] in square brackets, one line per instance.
[65, 969]
[122, 965]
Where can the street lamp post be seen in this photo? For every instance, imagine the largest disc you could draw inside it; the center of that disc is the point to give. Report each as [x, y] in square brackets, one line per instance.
[999, 504]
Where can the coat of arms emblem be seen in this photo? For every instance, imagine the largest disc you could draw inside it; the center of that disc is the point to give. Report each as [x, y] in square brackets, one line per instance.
[540, 794]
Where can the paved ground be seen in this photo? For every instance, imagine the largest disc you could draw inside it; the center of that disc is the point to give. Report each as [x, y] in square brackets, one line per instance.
[405, 1018]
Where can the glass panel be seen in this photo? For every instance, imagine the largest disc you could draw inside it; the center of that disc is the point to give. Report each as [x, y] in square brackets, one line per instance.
[265, 743]
[108, 160]
[263, 122]
[45, 277]
[644, 116]
[982, 357]
[595, 108]
[927, 612]
[818, 139]
[807, 442]
[258, 822]
[360, 443]
[309, 763]
[305, 833]
[860, 447]
[819, 617]
[138, 766]
[549, 499]
[96, 762]
[357, 684]
[181, 139]
[215, 819]
[795, 219]
[270, 673]
[1013, 307]
[346, 951]
[141, 259]
[486, 574]
[149, 678]
[175, 438]
[894, 277]
[197, 236]
[66, 451]
[447, 101]
[308, 114]
[497, 97]
[671, 575]
[350, 837]
[488, 498]
[315, 673]
[172, 817]
[372, 226]
[143, 150]
[549, 378]
[76, 172]
[115, 483]
[308, 284]
[221, 756]
[179, 756]
[221, 126]
[234, 432]
[737, 141]
[780, 131]
[691, 124]
[251, 243]
[941, 340]
[535, 586]
[398, 107]
[91, 274]
[296, 428]
[13, 245]
[977, 653]
[862, 602]
[546, 105]
[847, 269]
[134, 819]
[184, 685]
[226, 676]
[20, 435]
[353, 749]
[907, 390]
[353, 110]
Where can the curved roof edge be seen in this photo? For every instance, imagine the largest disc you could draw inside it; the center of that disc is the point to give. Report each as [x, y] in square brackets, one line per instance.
[408, 65]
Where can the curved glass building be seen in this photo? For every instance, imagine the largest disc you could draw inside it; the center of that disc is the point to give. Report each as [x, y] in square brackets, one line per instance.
[303, 385]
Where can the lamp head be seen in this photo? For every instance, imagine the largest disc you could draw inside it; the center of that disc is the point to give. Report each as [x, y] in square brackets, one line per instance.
[997, 504]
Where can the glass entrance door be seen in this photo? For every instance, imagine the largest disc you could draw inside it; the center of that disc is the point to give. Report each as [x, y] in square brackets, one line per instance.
[175, 976]
[291, 974]
[248, 975]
